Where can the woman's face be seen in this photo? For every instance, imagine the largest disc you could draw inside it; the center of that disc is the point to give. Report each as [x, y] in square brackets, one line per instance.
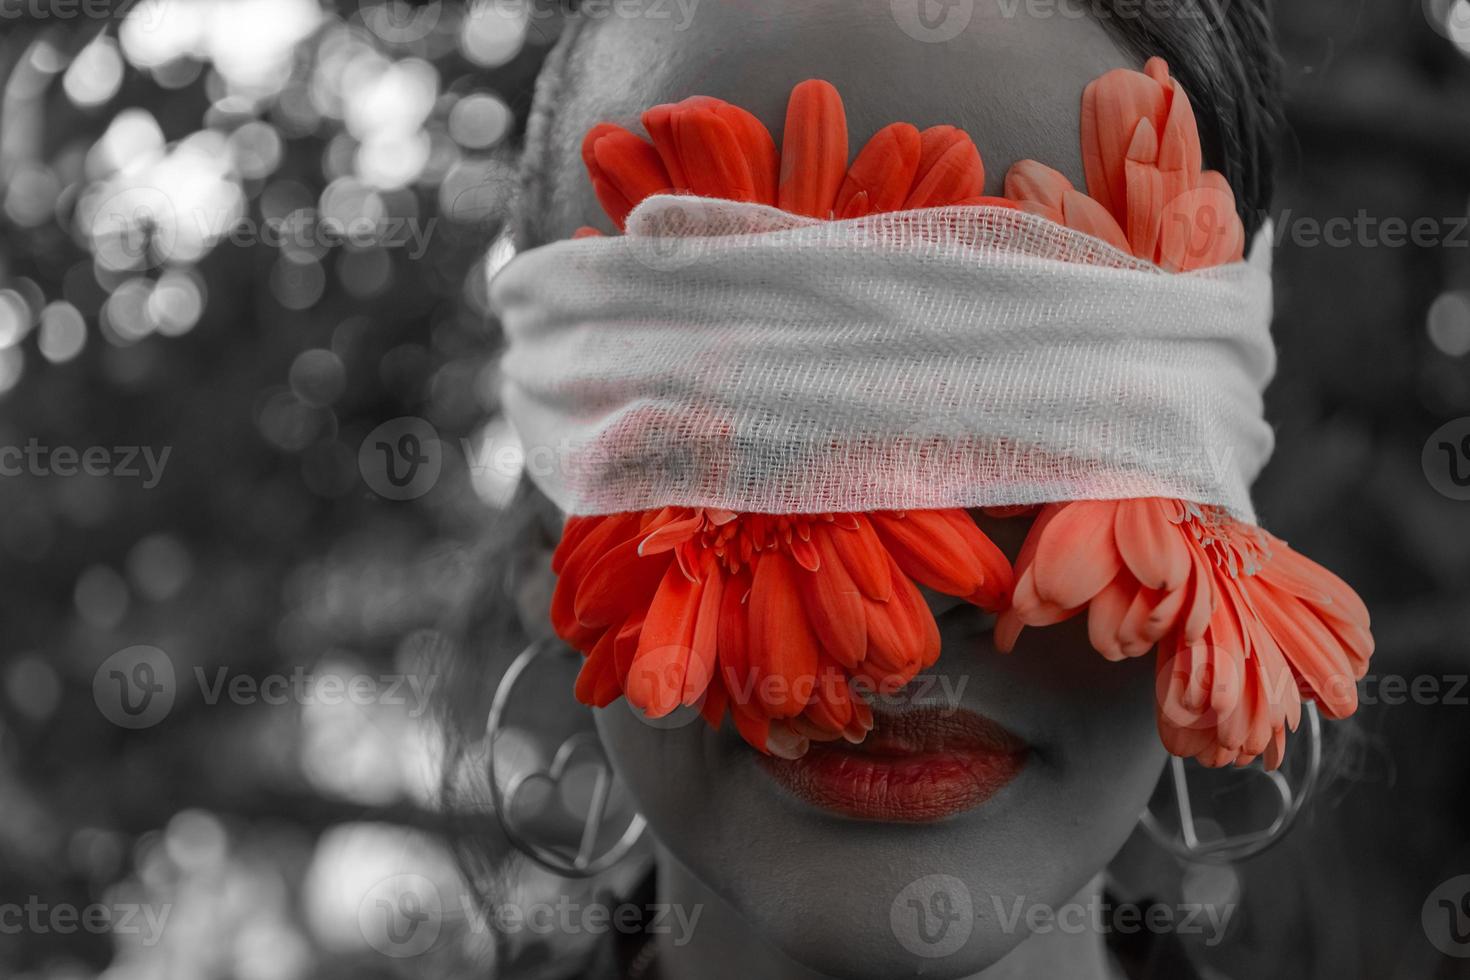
[841, 881]
[855, 896]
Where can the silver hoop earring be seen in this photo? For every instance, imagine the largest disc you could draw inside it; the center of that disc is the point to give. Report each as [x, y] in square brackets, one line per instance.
[570, 859]
[1189, 844]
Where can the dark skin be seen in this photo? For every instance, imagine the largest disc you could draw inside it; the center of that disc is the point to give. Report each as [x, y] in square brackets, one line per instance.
[787, 890]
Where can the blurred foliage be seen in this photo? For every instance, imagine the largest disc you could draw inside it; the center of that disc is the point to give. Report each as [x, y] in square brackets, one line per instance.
[244, 233]
[249, 232]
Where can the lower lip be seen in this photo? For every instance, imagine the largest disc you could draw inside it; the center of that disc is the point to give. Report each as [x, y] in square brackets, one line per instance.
[932, 768]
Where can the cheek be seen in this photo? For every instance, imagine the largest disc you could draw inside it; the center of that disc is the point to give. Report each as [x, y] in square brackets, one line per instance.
[1101, 731]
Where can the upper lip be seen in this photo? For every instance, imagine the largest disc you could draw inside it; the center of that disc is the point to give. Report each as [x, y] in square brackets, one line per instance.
[916, 766]
[921, 731]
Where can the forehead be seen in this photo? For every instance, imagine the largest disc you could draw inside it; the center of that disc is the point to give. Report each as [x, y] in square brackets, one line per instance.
[1009, 72]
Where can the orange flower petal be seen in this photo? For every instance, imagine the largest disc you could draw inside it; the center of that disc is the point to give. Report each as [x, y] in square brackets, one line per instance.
[1112, 107]
[710, 155]
[1197, 230]
[782, 644]
[1146, 193]
[1105, 614]
[831, 708]
[625, 170]
[954, 174]
[658, 122]
[1152, 615]
[759, 149]
[583, 545]
[813, 150]
[618, 583]
[1180, 156]
[660, 667]
[902, 634]
[884, 171]
[1295, 573]
[1077, 555]
[1082, 213]
[703, 647]
[732, 641]
[1216, 180]
[946, 551]
[1150, 544]
[834, 605]
[1315, 655]
[865, 559]
[1035, 183]
[598, 684]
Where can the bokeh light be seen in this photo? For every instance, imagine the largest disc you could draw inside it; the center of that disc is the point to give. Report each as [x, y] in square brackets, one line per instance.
[95, 74]
[479, 121]
[1449, 323]
[63, 332]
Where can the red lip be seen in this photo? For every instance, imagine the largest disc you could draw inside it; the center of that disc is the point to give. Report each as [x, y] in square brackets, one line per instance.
[915, 767]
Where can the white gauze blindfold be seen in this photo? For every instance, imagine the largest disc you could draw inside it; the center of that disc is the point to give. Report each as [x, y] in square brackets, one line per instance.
[736, 356]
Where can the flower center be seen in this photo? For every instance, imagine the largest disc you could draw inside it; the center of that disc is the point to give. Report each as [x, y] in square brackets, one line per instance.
[736, 539]
[1235, 547]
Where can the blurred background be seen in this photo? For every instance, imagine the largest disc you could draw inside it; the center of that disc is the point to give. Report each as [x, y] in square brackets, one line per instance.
[238, 237]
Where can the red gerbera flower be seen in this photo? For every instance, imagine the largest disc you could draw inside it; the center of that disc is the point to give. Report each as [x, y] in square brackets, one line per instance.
[1147, 191]
[783, 620]
[772, 616]
[1245, 626]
